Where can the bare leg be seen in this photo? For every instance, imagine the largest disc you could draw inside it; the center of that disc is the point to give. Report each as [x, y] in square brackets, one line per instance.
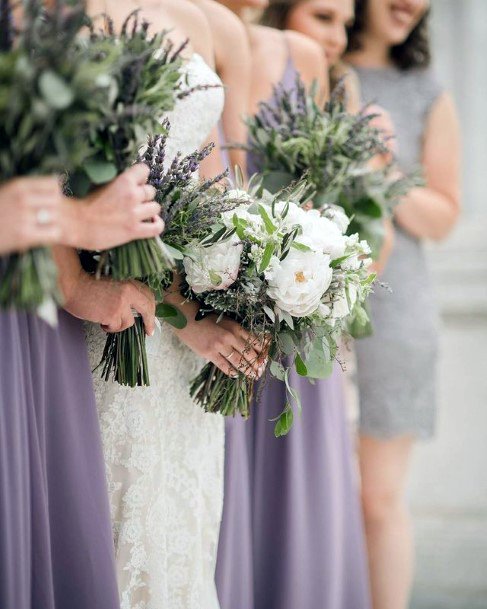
[384, 465]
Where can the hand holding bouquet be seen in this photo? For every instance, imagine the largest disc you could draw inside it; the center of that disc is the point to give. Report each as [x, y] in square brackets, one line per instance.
[148, 80]
[286, 275]
[51, 95]
[189, 208]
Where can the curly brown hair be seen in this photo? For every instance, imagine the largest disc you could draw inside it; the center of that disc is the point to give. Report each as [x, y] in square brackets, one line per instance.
[414, 52]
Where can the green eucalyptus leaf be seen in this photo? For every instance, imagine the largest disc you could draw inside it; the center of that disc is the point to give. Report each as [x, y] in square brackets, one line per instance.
[266, 258]
[172, 315]
[269, 225]
[100, 172]
[300, 366]
[55, 91]
[284, 423]
[277, 370]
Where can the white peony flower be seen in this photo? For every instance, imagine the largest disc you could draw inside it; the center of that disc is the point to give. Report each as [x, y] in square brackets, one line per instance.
[343, 302]
[298, 282]
[215, 267]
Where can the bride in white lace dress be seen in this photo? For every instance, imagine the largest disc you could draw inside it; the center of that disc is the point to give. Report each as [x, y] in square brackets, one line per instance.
[164, 455]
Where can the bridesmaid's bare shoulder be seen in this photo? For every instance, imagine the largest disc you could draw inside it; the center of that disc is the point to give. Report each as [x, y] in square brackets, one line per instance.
[191, 20]
[228, 32]
[309, 59]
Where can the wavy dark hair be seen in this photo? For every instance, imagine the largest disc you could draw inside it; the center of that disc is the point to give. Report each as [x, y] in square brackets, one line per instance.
[414, 52]
[276, 14]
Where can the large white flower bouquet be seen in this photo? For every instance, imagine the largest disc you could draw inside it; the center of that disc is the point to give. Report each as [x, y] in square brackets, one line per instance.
[286, 274]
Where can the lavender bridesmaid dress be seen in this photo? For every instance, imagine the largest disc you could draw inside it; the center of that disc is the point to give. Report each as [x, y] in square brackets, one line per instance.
[56, 548]
[292, 534]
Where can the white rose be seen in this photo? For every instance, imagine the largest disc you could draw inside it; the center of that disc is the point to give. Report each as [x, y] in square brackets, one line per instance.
[298, 282]
[338, 217]
[359, 252]
[215, 267]
[254, 221]
[295, 214]
[321, 233]
[237, 194]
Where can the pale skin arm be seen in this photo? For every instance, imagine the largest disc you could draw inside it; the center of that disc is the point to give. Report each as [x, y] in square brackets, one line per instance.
[106, 302]
[21, 200]
[310, 62]
[234, 62]
[432, 212]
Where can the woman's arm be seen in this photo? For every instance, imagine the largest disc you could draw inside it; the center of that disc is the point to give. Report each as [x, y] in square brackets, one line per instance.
[233, 64]
[102, 301]
[30, 213]
[432, 212]
[310, 62]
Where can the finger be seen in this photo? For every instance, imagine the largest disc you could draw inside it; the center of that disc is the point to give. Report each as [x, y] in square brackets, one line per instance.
[243, 358]
[148, 192]
[249, 354]
[224, 365]
[147, 211]
[114, 326]
[44, 235]
[139, 173]
[252, 339]
[51, 201]
[146, 230]
[128, 320]
[146, 309]
[40, 184]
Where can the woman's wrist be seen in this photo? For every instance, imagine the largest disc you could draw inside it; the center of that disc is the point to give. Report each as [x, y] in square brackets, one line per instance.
[74, 222]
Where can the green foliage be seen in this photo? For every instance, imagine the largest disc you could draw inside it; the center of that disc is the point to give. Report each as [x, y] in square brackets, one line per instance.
[51, 95]
[294, 138]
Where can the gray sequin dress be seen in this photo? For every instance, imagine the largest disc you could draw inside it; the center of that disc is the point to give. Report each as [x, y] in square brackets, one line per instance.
[396, 367]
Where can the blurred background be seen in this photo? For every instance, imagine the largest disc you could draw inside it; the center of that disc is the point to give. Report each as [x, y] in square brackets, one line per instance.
[448, 485]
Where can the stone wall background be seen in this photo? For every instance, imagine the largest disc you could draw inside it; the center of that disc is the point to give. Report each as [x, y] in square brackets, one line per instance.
[448, 486]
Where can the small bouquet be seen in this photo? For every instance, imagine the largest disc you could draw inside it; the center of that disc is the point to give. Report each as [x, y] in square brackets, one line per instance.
[148, 82]
[289, 276]
[189, 208]
[293, 137]
[51, 95]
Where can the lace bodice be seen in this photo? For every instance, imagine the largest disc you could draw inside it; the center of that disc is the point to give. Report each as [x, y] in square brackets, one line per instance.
[195, 116]
[163, 454]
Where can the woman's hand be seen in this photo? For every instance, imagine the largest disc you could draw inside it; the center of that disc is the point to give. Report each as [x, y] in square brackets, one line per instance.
[227, 345]
[112, 303]
[115, 214]
[30, 210]
[103, 301]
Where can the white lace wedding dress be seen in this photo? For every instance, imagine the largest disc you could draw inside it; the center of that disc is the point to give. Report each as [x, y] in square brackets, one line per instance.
[164, 455]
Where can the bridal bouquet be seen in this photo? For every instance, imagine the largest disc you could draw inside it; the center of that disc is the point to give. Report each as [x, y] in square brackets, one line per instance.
[51, 95]
[289, 276]
[148, 82]
[293, 137]
[189, 207]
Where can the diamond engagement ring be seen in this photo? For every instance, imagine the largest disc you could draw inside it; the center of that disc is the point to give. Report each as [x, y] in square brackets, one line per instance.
[43, 217]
